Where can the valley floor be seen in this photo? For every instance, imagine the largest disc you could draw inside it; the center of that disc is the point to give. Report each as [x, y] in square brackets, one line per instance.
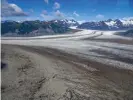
[86, 66]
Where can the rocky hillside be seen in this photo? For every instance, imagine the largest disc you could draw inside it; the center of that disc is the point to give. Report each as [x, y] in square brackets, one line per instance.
[34, 28]
[108, 25]
[128, 33]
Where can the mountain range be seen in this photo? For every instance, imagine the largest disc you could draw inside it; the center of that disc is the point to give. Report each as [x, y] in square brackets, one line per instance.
[32, 28]
[108, 25]
[35, 28]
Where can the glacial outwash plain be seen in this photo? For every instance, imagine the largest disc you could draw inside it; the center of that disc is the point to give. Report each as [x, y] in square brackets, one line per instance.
[85, 65]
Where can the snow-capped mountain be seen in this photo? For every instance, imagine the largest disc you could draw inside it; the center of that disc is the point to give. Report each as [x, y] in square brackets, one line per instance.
[110, 24]
[118, 24]
[66, 22]
[32, 28]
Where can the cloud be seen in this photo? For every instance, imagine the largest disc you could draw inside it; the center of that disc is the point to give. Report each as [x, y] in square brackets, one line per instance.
[81, 21]
[76, 14]
[52, 15]
[11, 10]
[99, 16]
[46, 1]
[46, 16]
[127, 18]
[56, 5]
[21, 19]
[59, 14]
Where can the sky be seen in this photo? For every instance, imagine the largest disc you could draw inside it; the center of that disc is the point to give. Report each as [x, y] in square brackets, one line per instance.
[80, 10]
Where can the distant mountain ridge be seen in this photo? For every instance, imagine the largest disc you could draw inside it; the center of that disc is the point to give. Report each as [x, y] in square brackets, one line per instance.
[109, 24]
[128, 33]
[34, 28]
[69, 23]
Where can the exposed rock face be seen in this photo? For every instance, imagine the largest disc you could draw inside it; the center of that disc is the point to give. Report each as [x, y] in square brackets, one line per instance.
[32, 28]
[108, 25]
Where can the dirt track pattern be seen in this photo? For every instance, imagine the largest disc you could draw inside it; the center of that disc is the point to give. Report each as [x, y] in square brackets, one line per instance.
[101, 46]
[86, 65]
[40, 73]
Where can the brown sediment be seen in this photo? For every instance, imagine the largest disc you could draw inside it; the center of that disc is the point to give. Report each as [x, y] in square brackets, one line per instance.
[51, 74]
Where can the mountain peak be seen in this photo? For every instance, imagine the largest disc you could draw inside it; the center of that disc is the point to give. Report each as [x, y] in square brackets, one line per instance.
[109, 24]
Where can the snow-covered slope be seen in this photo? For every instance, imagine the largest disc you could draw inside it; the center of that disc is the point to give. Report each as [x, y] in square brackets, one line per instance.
[67, 22]
[127, 22]
[86, 44]
[118, 24]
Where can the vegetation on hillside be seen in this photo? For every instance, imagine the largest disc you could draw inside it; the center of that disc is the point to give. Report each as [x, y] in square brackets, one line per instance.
[27, 27]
